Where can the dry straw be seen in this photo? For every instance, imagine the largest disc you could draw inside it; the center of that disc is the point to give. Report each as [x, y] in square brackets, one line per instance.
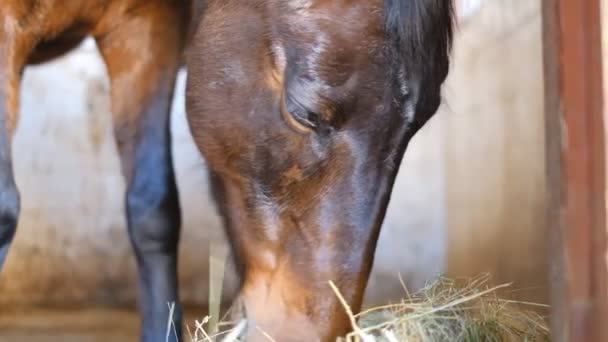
[444, 311]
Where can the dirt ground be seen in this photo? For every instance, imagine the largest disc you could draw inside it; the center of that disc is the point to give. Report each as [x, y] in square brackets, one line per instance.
[91, 325]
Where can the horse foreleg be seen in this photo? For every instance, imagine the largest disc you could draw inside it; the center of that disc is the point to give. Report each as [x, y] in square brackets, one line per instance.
[13, 54]
[142, 56]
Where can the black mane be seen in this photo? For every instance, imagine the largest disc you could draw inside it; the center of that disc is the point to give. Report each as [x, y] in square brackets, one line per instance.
[421, 29]
[420, 34]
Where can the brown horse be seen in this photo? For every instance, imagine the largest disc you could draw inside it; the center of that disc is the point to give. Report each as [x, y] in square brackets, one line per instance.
[141, 42]
[303, 110]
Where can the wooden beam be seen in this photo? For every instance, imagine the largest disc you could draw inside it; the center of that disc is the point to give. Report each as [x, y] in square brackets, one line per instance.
[576, 169]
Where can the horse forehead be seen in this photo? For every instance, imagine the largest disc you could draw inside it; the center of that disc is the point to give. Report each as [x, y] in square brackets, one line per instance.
[300, 4]
[325, 23]
[329, 40]
[344, 13]
[307, 4]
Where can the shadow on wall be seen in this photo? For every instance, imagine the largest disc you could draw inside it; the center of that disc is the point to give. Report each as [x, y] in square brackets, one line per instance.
[494, 153]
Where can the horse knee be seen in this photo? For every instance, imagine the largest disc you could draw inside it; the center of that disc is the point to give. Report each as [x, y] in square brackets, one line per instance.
[153, 219]
[9, 213]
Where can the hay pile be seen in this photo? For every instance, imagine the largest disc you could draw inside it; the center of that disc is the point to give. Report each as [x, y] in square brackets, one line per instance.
[443, 311]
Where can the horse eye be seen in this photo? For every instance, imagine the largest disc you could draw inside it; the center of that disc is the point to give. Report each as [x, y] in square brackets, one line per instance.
[306, 118]
[299, 117]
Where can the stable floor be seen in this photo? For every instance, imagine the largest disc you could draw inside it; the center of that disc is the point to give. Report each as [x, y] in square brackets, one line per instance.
[99, 325]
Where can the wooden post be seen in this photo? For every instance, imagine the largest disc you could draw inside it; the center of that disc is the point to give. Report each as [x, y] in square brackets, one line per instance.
[576, 169]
